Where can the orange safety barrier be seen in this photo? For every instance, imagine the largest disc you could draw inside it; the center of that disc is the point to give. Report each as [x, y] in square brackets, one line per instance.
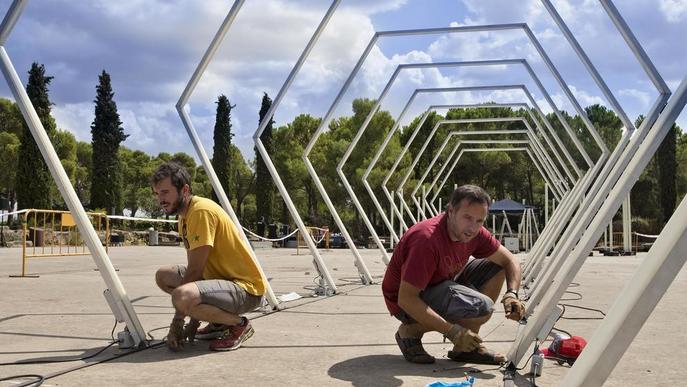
[54, 234]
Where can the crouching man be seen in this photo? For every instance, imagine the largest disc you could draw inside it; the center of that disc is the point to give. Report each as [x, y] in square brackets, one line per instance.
[433, 284]
[220, 281]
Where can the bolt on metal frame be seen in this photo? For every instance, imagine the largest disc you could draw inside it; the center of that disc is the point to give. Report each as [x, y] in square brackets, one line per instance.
[603, 196]
[200, 150]
[122, 307]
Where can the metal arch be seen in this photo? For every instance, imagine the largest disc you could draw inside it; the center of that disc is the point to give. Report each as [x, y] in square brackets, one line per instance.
[449, 89]
[200, 150]
[660, 101]
[121, 307]
[536, 145]
[546, 174]
[462, 151]
[530, 134]
[611, 167]
[550, 177]
[643, 292]
[610, 177]
[488, 106]
[319, 263]
[534, 77]
[468, 150]
[511, 105]
[377, 35]
[639, 156]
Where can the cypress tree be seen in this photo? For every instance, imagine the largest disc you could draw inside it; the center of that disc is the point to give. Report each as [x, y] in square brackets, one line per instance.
[263, 181]
[33, 180]
[667, 171]
[107, 133]
[221, 156]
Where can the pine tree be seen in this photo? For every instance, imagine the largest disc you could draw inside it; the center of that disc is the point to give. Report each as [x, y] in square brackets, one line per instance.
[264, 194]
[107, 133]
[33, 180]
[221, 156]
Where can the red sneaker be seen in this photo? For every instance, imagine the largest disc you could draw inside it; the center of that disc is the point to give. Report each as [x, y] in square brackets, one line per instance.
[233, 337]
[211, 331]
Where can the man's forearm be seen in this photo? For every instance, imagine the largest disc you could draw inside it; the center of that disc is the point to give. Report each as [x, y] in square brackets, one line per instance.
[513, 276]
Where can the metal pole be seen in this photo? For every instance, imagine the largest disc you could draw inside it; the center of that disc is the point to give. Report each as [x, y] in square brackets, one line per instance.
[200, 150]
[630, 174]
[319, 263]
[65, 187]
[634, 305]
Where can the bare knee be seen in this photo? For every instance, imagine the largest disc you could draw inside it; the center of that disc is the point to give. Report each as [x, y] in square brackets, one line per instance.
[185, 297]
[167, 278]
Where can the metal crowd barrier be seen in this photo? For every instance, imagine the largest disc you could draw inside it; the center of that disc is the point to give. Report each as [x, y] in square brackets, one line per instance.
[54, 234]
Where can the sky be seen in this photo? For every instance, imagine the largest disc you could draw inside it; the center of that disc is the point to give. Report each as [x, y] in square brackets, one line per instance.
[150, 48]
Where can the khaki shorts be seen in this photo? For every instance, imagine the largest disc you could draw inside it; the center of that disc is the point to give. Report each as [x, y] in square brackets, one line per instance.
[224, 294]
[460, 299]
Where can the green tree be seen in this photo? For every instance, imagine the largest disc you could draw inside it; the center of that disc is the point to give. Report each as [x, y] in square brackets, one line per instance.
[33, 179]
[11, 119]
[9, 155]
[65, 146]
[82, 176]
[107, 134]
[136, 171]
[264, 197]
[222, 141]
[667, 171]
[242, 182]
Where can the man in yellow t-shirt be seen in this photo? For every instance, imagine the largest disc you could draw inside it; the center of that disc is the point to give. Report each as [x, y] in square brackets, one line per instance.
[221, 280]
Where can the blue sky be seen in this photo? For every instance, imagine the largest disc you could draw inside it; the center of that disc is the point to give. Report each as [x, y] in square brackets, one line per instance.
[151, 47]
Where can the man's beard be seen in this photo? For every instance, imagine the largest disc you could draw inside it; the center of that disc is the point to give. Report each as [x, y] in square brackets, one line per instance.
[177, 206]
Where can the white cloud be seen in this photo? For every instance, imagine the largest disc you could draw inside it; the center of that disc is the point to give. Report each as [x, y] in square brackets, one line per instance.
[643, 97]
[673, 10]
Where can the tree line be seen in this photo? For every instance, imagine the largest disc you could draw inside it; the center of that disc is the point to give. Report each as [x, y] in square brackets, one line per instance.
[108, 176]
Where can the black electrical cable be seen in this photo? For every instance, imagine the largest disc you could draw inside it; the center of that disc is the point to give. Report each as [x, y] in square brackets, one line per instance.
[39, 379]
[584, 308]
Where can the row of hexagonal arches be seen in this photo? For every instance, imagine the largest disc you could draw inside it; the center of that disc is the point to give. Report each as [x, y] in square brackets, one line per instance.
[608, 175]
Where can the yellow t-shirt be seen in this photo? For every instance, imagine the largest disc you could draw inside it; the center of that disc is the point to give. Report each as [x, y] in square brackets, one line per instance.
[206, 224]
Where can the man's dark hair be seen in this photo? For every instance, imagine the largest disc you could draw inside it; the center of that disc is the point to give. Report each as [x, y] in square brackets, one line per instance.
[178, 175]
[472, 193]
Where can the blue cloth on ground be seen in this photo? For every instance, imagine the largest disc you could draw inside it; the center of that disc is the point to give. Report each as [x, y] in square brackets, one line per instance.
[464, 383]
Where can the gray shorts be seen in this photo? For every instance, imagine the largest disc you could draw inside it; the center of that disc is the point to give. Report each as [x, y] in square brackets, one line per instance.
[224, 294]
[459, 299]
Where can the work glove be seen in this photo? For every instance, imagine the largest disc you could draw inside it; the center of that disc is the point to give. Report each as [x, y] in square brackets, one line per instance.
[190, 330]
[515, 309]
[463, 339]
[175, 337]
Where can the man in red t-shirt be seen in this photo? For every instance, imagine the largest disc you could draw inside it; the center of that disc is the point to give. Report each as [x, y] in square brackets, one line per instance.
[432, 284]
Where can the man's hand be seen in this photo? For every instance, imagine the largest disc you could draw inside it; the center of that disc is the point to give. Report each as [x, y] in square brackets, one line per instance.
[515, 309]
[175, 337]
[190, 330]
[463, 339]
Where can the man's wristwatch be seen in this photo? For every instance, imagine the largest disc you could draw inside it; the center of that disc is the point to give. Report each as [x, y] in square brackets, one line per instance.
[513, 292]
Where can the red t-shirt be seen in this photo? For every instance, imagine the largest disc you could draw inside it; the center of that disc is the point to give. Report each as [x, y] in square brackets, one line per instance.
[426, 255]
